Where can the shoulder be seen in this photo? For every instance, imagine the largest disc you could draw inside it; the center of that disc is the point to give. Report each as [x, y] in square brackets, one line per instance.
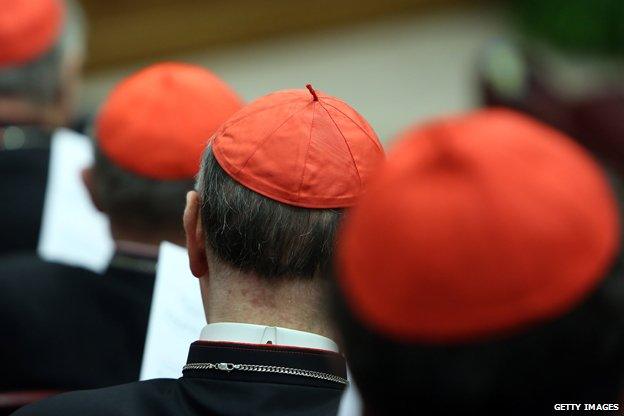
[29, 270]
[152, 397]
[47, 286]
[24, 264]
[27, 164]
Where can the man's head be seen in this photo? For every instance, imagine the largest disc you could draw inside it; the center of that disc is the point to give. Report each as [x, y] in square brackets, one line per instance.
[271, 192]
[259, 235]
[480, 273]
[41, 57]
[149, 135]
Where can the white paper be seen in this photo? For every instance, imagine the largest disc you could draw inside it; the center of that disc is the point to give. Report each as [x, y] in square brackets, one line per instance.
[73, 231]
[176, 316]
[351, 403]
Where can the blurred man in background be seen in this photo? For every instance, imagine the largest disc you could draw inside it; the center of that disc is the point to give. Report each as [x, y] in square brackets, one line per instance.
[67, 328]
[41, 57]
[565, 68]
[260, 232]
[481, 271]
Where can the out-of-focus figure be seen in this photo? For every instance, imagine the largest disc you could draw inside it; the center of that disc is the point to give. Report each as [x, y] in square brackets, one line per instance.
[565, 68]
[67, 328]
[41, 57]
[260, 231]
[481, 274]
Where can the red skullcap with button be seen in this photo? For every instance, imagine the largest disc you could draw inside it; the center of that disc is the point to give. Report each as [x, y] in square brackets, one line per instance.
[476, 226]
[28, 28]
[157, 122]
[299, 147]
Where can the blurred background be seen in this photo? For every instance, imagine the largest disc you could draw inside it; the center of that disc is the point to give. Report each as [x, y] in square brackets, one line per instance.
[396, 61]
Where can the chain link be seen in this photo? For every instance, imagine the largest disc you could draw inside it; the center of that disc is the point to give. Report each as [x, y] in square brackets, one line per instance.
[265, 369]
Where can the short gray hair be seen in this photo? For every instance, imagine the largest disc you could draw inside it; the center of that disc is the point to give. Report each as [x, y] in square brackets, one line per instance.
[136, 202]
[256, 234]
[39, 81]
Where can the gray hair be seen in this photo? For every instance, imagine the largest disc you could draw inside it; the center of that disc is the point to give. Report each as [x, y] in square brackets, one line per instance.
[256, 234]
[139, 203]
[39, 81]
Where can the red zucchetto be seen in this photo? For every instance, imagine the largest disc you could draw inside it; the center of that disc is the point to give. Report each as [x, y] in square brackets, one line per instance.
[300, 147]
[477, 225]
[157, 122]
[28, 28]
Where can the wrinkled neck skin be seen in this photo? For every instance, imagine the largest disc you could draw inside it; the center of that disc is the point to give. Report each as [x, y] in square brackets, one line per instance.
[294, 303]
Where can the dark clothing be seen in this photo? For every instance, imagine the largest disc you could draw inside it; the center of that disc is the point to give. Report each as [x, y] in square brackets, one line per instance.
[24, 159]
[66, 328]
[211, 392]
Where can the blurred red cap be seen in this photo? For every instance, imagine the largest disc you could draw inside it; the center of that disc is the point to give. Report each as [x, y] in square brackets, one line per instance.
[28, 28]
[477, 225]
[301, 148]
[157, 122]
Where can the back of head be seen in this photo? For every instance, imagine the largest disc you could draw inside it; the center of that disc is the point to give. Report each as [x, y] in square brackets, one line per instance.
[473, 275]
[276, 178]
[41, 54]
[149, 135]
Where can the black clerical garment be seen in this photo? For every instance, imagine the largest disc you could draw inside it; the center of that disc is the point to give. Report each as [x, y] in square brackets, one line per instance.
[24, 159]
[65, 328]
[220, 379]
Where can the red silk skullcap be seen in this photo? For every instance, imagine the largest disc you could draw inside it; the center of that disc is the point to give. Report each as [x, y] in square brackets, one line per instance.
[157, 122]
[477, 226]
[28, 28]
[301, 148]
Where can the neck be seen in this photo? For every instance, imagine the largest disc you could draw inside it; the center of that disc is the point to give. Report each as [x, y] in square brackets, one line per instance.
[125, 234]
[21, 112]
[294, 303]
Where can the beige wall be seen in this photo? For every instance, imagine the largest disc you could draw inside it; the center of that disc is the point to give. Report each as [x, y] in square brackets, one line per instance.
[394, 71]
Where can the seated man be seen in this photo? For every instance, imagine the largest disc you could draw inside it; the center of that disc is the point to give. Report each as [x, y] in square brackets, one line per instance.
[41, 54]
[67, 328]
[260, 231]
[482, 273]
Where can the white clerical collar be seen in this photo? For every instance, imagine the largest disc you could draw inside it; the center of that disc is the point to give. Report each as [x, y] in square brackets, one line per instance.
[260, 334]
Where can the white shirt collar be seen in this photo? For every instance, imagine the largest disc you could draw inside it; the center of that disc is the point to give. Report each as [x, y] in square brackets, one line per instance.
[260, 334]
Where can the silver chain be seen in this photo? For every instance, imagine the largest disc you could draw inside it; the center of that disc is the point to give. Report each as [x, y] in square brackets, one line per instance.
[265, 369]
